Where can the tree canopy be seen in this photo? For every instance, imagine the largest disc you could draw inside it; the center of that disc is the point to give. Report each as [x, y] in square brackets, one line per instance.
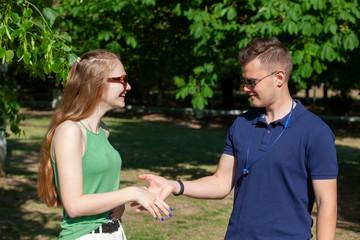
[189, 44]
[186, 46]
[40, 51]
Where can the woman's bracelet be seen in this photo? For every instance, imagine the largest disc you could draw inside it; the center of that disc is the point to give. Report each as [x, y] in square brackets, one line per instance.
[181, 188]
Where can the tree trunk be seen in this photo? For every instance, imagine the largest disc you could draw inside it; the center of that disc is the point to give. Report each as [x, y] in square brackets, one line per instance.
[3, 146]
[325, 97]
[227, 93]
[307, 94]
[159, 99]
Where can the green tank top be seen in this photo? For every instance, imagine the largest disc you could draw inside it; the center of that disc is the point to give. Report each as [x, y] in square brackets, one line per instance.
[101, 165]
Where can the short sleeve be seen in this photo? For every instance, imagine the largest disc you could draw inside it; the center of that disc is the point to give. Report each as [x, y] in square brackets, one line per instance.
[321, 154]
[229, 146]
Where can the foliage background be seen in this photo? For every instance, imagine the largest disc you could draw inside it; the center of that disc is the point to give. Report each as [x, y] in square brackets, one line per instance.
[187, 48]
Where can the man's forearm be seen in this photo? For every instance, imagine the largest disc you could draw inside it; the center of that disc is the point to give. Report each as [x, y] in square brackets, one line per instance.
[326, 221]
[206, 188]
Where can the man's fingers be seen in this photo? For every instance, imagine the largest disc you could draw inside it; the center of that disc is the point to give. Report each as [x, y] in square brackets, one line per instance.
[140, 209]
[145, 176]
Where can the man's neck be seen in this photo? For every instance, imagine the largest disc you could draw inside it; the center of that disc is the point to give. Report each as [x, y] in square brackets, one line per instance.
[279, 110]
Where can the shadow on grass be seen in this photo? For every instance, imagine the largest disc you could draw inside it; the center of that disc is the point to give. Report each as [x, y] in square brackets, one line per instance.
[171, 150]
[348, 186]
[168, 149]
[22, 215]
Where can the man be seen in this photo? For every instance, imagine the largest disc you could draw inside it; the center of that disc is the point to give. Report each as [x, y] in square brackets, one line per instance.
[278, 156]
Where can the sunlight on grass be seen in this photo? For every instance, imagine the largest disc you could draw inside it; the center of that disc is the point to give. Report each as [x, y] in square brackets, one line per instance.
[162, 148]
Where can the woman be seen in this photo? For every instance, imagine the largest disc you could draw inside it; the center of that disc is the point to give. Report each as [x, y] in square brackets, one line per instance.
[79, 169]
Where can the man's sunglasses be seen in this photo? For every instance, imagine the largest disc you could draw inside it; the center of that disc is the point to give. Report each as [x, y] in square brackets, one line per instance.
[123, 80]
[251, 82]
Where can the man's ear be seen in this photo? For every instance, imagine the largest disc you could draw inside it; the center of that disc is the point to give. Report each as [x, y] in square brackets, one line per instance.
[280, 78]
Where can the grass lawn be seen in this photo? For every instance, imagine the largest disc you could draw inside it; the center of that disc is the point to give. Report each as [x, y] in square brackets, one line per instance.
[171, 149]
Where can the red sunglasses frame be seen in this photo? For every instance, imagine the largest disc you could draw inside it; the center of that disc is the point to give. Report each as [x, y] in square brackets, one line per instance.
[122, 79]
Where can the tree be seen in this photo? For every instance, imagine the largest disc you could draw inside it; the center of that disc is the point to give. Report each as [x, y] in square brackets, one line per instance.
[149, 36]
[317, 32]
[188, 45]
[28, 41]
[185, 46]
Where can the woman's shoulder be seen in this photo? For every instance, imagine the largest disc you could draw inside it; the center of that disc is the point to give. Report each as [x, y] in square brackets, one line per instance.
[69, 129]
[69, 125]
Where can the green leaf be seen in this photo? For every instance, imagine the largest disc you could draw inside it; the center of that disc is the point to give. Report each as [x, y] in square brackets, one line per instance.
[114, 46]
[231, 13]
[72, 58]
[2, 52]
[27, 13]
[27, 25]
[207, 92]
[198, 101]
[55, 67]
[7, 30]
[27, 58]
[198, 30]
[351, 41]
[182, 93]
[177, 10]
[298, 57]
[65, 48]
[243, 42]
[149, 2]
[312, 49]
[179, 81]
[15, 105]
[131, 41]
[2, 31]
[63, 35]
[336, 41]
[39, 23]
[106, 35]
[50, 15]
[15, 34]
[15, 17]
[290, 27]
[209, 67]
[317, 67]
[330, 26]
[307, 29]
[199, 69]
[306, 70]
[58, 60]
[318, 4]
[9, 55]
[327, 52]
[19, 51]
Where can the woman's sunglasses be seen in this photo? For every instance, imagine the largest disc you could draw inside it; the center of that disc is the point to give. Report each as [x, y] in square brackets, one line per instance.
[123, 80]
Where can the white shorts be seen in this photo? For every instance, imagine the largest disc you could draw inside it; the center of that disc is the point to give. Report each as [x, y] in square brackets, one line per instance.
[98, 234]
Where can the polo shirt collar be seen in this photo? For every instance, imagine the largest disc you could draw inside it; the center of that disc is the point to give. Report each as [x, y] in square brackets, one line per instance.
[297, 110]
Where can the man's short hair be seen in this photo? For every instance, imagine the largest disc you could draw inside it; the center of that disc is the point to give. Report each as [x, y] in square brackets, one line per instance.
[270, 51]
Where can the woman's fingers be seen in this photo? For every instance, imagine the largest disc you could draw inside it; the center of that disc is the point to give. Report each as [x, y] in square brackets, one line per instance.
[154, 205]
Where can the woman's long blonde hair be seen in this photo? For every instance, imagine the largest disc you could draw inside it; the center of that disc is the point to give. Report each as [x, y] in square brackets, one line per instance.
[84, 89]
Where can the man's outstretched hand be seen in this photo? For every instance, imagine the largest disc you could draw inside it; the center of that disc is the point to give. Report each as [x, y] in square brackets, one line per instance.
[159, 186]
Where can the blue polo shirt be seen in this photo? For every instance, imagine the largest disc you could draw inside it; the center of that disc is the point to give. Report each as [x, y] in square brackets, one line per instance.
[275, 200]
